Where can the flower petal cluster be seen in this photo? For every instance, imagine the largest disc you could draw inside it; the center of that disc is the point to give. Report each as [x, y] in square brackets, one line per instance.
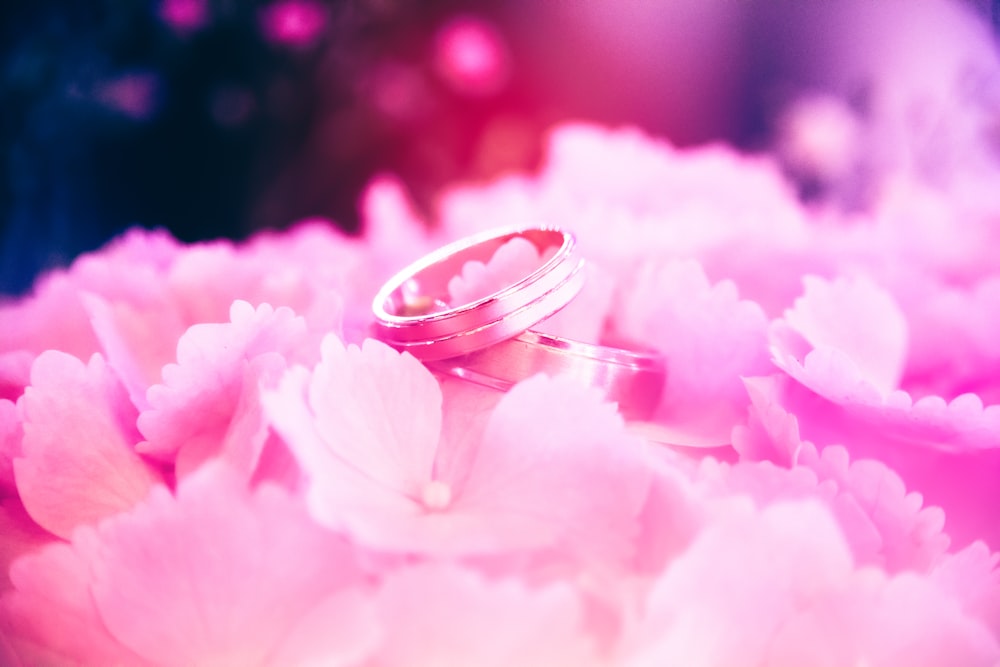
[204, 459]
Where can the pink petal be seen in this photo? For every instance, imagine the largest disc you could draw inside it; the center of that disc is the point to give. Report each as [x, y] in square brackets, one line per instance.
[341, 630]
[948, 452]
[129, 269]
[387, 413]
[722, 600]
[962, 423]
[779, 587]
[771, 434]
[364, 426]
[884, 522]
[216, 575]
[51, 616]
[393, 230]
[466, 410]
[376, 464]
[15, 373]
[902, 621]
[11, 434]
[709, 337]
[670, 519]
[953, 344]
[552, 438]
[51, 318]
[441, 614]
[307, 269]
[911, 532]
[137, 341]
[209, 402]
[19, 535]
[971, 575]
[858, 318]
[78, 465]
[467, 210]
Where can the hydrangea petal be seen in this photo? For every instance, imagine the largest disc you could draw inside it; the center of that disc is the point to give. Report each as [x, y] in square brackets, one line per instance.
[388, 412]
[11, 434]
[137, 341]
[51, 616]
[931, 421]
[911, 532]
[779, 587]
[15, 373]
[474, 621]
[216, 575]
[972, 576]
[373, 464]
[709, 337]
[954, 348]
[858, 318]
[78, 465]
[341, 492]
[129, 269]
[885, 523]
[308, 269]
[19, 535]
[341, 630]
[948, 452]
[575, 449]
[721, 601]
[208, 403]
[902, 621]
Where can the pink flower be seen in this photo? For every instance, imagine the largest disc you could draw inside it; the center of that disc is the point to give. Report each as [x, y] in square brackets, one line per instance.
[388, 467]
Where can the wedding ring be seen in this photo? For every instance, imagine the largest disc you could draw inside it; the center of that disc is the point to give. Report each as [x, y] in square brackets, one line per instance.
[412, 311]
[634, 379]
[489, 341]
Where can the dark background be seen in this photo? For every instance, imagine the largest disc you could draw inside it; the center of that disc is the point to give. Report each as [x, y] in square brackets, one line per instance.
[113, 115]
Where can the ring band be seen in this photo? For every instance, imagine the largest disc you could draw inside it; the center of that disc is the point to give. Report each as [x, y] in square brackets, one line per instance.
[412, 311]
[631, 378]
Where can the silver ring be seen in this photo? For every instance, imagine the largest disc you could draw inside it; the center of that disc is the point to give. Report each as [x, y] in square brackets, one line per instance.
[634, 379]
[412, 312]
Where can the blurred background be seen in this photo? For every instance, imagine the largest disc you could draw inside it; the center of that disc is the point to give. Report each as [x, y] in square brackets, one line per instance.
[221, 117]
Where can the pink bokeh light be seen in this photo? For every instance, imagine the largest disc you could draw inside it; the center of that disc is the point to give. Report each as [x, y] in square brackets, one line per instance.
[134, 94]
[294, 23]
[471, 56]
[185, 16]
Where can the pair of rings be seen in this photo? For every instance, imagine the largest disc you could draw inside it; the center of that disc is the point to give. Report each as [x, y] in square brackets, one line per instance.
[490, 341]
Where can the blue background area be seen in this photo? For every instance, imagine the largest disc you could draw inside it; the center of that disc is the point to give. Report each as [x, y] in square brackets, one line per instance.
[75, 171]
